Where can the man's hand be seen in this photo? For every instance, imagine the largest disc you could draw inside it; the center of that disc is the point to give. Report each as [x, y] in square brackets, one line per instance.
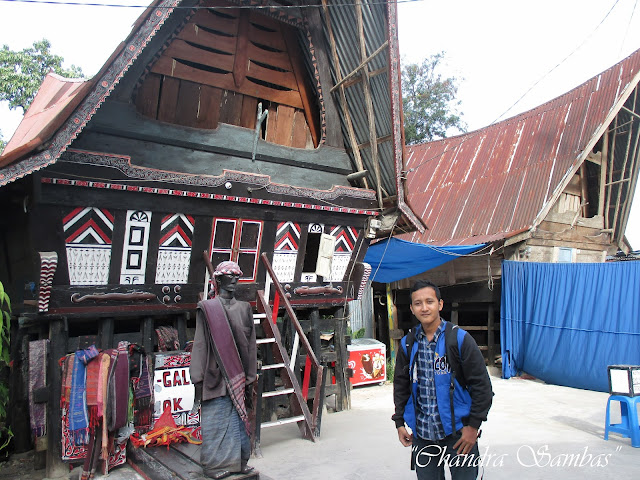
[405, 437]
[467, 440]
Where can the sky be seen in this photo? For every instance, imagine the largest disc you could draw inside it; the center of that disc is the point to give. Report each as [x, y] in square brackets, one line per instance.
[498, 49]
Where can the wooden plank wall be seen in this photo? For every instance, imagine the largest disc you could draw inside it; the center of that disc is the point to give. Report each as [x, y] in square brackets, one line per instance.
[221, 65]
[190, 104]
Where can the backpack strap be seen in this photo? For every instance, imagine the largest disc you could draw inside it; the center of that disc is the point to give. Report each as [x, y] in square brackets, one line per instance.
[452, 349]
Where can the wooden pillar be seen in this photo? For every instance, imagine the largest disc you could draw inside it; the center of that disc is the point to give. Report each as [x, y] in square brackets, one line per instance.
[105, 333]
[454, 312]
[56, 468]
[490, 336]
[343, 397]
[180, 323]
[18, 400]
[314, 338]
[392, 314]
[147, 334]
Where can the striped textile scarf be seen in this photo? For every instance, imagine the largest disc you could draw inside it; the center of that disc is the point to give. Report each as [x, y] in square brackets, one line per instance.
[78, 418]
[119, 389]
[93, 376]
[103, 393]
[143, 396]
[37, 379]
[227, 356]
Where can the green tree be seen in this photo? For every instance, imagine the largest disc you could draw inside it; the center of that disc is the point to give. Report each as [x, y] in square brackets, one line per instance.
[429, 101]
[2, 143]
[21, 73]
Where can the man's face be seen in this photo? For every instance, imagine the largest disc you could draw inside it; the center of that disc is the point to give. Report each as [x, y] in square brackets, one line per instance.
[426, 307]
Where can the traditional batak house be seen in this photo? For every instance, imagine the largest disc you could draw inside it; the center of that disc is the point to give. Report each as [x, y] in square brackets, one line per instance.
[553, 184]
[233, 128]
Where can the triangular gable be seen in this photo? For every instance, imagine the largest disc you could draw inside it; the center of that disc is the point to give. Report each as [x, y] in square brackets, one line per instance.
[501, 180]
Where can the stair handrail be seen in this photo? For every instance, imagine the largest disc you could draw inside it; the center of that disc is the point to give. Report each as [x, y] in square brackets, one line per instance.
[311, 359]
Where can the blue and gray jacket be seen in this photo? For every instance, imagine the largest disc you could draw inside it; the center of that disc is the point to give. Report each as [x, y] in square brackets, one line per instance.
[472, 395]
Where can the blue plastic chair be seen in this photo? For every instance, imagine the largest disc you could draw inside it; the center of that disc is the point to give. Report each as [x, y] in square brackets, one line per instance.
[628, 427]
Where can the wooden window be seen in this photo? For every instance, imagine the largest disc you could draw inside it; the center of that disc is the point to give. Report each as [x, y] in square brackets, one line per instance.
[237, 240]
[565, 254]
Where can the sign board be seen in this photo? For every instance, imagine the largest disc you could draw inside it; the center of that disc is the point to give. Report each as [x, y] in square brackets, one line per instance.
[172, 387]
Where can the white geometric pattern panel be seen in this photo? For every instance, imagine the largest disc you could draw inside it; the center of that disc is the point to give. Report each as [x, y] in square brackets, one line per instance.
[88, 265]
[339, 266]
[284, 265]
[173, 265]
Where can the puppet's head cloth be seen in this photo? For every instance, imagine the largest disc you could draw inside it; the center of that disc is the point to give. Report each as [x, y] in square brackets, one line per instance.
[227, 268]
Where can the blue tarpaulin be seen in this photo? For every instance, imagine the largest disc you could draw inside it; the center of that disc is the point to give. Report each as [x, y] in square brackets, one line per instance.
[394, 259]
[565, 323]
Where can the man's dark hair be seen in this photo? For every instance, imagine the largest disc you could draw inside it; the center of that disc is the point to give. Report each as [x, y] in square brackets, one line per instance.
[420, 284]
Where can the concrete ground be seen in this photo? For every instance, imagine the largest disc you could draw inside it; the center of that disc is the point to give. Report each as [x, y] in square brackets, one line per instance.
[534, 431]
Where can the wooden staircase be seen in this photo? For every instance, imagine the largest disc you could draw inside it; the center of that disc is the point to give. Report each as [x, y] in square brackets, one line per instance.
[308, 420]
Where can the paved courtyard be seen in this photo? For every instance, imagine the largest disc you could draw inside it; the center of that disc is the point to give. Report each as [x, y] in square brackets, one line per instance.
[534, 431]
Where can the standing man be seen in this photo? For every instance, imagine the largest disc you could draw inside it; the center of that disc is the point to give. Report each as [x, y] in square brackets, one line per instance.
[223, 368]
[443, 411]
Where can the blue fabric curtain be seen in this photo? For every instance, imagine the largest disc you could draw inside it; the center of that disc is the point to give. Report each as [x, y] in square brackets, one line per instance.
[565, 323]
[394, 259]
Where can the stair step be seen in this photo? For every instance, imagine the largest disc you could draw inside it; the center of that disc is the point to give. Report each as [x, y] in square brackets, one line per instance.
[275, 393]
[282, 421]
[261, 341]
[272, 366]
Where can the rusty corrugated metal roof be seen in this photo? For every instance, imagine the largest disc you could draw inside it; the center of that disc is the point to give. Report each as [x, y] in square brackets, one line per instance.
[54, 102]
[501, 180]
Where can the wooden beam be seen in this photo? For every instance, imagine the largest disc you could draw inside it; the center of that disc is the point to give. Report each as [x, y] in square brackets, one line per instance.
[343, 99]
[369, 104]
[303, 87]
[363, 63]
[333, 130]
[607, 221]
[603, 172]
[386, 138]
[241, 57]
[622, 174]
[633, 176]
[356, 80]
[584, 189]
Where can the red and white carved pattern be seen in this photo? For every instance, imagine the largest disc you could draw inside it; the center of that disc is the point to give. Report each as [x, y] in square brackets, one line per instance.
[70, 451]
[177, 360]
[286, 251]
[209, 196]
[365, 278]
[346, 238]
[287, 236]
[48, 267]
[88, 232]
[123, 164]
[193, 418]
[174, 253]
